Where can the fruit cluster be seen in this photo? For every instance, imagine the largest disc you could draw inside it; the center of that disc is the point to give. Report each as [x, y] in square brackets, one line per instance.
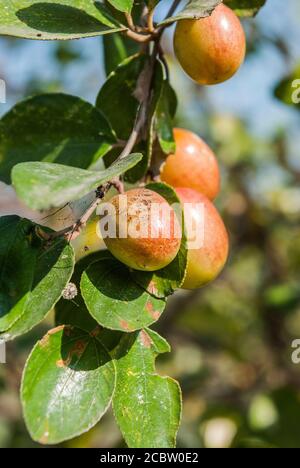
[194, 174]
[210, 50]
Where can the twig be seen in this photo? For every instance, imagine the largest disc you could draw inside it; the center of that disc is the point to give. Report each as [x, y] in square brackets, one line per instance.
[139, 123]
[154, 34]
[130, 21]
[71, 232]
[118, 185]
[142, 38]
[150, 21]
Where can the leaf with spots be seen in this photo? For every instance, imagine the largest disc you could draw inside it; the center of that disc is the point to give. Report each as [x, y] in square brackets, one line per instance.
[115, 300]
[147, 406]
[56, 19]
[33, 276]
[162, 283]
[67, 385]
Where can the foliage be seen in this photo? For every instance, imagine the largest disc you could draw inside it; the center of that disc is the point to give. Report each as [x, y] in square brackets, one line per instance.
[56, 149]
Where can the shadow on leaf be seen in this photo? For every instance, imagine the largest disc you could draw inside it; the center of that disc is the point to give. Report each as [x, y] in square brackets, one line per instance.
[54, 18]
[81, 351]
[113, 280]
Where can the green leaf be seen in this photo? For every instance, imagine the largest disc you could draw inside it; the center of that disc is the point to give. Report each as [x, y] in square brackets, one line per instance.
[118, 99]
[56, 19]
[145, 146]
[122, 5]
[117, 48]
[67, 385]
[53, 128]
[158, 84]
[75, 312]
[147, 406]
[17, 264]
[115, 300]
[162, 283]
[44, 185]
[33, 276]
[135, 174]
[245, 8]
[164, 115]
[195, 9]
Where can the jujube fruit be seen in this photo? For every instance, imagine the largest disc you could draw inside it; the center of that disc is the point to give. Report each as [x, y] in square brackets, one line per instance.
[193, 165]
[207, 260]
[144, 240]
[210, 50]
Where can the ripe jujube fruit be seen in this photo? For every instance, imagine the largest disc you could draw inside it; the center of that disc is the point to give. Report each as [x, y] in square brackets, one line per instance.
[148, 233]
[193, 165]
[210, 50]
[206, 261]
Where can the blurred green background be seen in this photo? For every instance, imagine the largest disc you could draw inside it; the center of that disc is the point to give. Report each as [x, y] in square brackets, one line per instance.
[232, 340]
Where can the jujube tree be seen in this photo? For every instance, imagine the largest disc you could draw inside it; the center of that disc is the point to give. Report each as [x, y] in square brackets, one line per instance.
[57, 149]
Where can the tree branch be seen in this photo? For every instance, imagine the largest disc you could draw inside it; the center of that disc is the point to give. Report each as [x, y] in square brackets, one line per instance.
[130, 21]
[150, 21]
[142, 38]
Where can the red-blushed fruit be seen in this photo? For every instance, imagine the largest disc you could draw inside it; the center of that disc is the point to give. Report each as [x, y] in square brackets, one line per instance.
[211, 50]
[193, 165]
[148, 233]
[203, 221]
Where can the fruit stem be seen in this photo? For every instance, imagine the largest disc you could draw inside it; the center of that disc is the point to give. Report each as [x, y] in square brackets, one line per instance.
[142, 38]
[150, 21]
[130, 21]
